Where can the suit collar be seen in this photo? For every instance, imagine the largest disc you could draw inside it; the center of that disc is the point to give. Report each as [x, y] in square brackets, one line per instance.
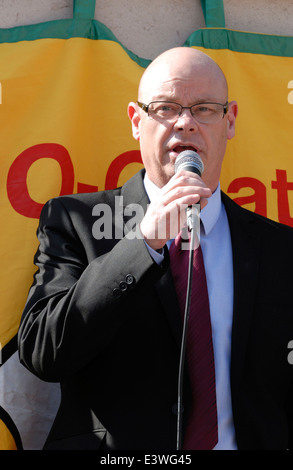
[133, 191]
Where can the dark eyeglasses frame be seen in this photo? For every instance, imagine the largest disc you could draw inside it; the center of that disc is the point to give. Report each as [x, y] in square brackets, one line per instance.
[145, 107]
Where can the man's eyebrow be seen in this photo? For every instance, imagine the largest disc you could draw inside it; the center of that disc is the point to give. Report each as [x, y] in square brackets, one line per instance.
[201, 99]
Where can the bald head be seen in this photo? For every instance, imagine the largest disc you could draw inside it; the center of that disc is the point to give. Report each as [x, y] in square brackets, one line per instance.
[184, 64]
[187, 77]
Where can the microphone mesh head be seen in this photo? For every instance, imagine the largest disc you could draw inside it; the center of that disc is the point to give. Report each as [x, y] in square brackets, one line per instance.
[189, 158]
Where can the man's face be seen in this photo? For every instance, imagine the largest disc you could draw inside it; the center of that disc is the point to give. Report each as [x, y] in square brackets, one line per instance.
[161, 140]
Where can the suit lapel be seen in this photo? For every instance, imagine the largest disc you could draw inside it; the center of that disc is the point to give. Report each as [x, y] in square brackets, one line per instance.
[166, 292]
[135, 197]
[245, 248]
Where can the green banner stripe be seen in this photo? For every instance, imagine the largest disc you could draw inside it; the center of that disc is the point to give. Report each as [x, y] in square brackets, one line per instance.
[213, 12]
[239, 41]
[66, 29]
[209, 38]
[59, 29]
[84, 8]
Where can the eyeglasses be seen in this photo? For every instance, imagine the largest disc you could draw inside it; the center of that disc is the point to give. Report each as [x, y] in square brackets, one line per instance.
[205, 113]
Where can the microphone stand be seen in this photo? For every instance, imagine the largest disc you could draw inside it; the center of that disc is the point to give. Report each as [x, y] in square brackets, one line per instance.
[193, 224]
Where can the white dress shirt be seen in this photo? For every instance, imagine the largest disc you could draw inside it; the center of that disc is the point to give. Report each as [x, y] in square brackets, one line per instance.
[216, 246]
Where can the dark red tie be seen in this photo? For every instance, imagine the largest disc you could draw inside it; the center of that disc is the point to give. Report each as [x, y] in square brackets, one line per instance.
[202, 429]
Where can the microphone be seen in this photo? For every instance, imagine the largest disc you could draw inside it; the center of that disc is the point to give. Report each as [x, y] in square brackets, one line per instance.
[190, 160]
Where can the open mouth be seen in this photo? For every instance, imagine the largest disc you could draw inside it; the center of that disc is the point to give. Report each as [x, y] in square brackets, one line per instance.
[180, 148]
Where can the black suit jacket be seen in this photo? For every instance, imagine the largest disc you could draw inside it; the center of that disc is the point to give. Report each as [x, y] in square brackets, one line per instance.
[103, 320]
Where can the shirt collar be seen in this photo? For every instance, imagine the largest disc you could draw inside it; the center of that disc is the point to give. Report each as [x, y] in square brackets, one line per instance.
[150, 187]
[209, 214]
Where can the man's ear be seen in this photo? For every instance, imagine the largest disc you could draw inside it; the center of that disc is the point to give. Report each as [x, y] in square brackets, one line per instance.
[134, 117]
[232, 114]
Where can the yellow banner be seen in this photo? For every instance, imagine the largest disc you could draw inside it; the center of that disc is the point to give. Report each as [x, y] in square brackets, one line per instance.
[6, 439]
[64, 92]
[258, 168]
[64, 129]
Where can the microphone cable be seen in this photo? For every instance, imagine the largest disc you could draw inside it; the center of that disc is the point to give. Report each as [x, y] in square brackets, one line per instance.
[193, 239]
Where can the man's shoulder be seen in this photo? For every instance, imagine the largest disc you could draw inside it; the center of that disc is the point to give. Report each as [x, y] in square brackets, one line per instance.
[106, 196]
[84, 205]
[235, 210]
[88, 198]
[80, 204]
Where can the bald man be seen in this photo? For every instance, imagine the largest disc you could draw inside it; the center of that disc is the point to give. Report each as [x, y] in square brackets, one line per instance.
[102, 316]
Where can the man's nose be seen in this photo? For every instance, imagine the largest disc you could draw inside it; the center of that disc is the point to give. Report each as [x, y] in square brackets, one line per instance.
[186, 121]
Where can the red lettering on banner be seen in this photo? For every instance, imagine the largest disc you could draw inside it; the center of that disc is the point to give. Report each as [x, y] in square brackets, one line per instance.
[86, 188]
[114, 171]
[17, 189]
[21, 201]
[117, 165]
[282, 186]
[258, 197]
